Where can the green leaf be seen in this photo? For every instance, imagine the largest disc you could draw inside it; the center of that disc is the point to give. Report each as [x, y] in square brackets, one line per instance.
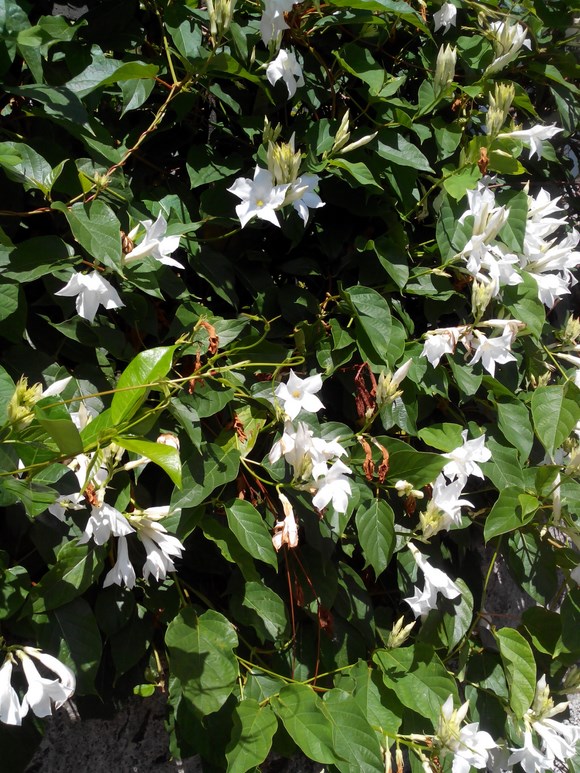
[445, 437]
[520, 669]
[376, 532]
[392, 146]
[358, 171]
[417, 467]
[555, 412]
[97, 229]
[512, 510]
[306, 721]
[23, 164]
[373, 324]
[201, 657]
[457, 623]
[570, 617]
[251, 531]
[264, 610]
[505, 468]
[165, 456]
[204, 472]
[251, 739]
[14, 588]
[148, 367]
[418, 677]
[56, 422]
[354, 741]
[514, 230]
[9, 300]
[544, 629]
[515, 425]
[379, 705]
[359, 62]
[457, 183]
[34, 497]
[77, 567]
[523, 303]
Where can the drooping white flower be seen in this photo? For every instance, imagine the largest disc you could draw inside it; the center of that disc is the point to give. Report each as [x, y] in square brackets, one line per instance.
[286, 531]
[122, 572]
[154, 243]
[445, 17]
[533, 137]
[488, 220]
[531, 759]
[303, 197]
[469, 745]
[464, 459]
[91, 290]
[160, 546]
[103, 522]
[10, 708]
[441, 341]
[42, 692]
[273, 23]
[299, 394]
[435, 581]
[333, 486]
[286, 67]
[260, 197]
[507, 40]
[492, 351]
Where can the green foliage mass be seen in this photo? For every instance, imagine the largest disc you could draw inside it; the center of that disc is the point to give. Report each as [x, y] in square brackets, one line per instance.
[189, 220]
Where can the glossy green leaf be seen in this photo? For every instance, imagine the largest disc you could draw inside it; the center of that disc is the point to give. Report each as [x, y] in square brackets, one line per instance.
[515, 425]
[97, 229]
[163, 455]
[204, 472]
[306, 721]
[145, 370]
[76, 569]
[264, 610]
[376, 532]
[251, 531]
[520, 669]
[201, 657]
[512, 510]
[254, 728]
[354, 740]
[55, 419]
[555, 412]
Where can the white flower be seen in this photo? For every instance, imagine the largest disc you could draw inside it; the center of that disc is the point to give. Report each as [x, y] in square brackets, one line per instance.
[123, 571]
[300, 394]
[441, 341]
[533, 137]
[286, 531]
[10, 709]
[260, 197]
[488, 220]
[435, 581]
[445, 17]
[464, 459]
[468, 744]
[272, 23]
[66, 502]
[388, 384]
[302, 196]
[507, 39]
[333, 486]
[160, 546]
[492, 351]
[154, 243]
[287, 67]
[531, 759]
[444, 508]
[104, 521]
[92, 290]
[43, 692]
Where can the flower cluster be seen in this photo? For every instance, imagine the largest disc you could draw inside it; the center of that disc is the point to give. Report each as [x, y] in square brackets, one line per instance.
[545, 258]
[308, 455]
[42, 694]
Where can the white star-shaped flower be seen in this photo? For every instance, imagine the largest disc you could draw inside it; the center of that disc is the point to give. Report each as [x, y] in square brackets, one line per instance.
[333, 486]
[299, 394]
[492, 351]
[260, 197]
[463, 460]
[154, 243]
[92, 290]
[534, 137]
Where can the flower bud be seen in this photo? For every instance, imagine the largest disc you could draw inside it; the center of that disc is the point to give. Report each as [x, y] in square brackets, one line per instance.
[343, 134]
[220, 16]
[481, 295]
[22, 402]
[571, 330]
[169, 439]
[444, 69]
[283, 161]
[499, 106]
[270, 133]
[399, 634]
